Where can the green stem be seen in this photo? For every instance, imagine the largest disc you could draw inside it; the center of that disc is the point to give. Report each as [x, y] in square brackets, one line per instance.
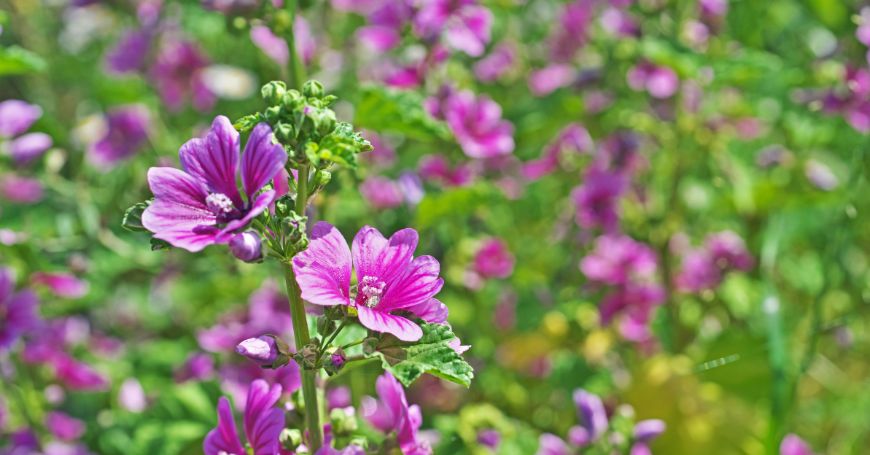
[295, 66]
[300, 331]
[334, 334]
[355, 343]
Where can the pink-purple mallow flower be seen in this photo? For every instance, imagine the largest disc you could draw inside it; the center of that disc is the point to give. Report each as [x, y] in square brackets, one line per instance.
[18, 310]
[644, 432]
[464, 24]
[574, 139]
[202, 205]
[592, 424]
[178, 76]
[392, 414]
[658, 81]
[597, 200]
[792, 444]
[493, 260]
[476, 123]
[391, 283]
[705, 267]
[16, 117]
[262, 424]
[126, 131]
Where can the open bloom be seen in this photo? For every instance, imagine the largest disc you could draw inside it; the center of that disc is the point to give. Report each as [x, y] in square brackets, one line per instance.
[126, 131]
[262, 423]
[392, 413]
[17, 310]
[390, 279]
[478, 126]
[202, 205]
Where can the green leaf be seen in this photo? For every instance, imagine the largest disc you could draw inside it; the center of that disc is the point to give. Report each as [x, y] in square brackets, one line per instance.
[431, 354]
[341, 146]
[15, 60]
[132, 220]
[157, 244]
[385, 110]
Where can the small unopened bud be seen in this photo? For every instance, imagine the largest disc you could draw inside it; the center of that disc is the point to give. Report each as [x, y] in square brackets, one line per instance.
[312, 89]
[370, 345]
[325, 122]
[273, 92]
[322, 177]
[308, 355]
[334, 360]
[262, 350]
[343, 420]
[284, 132]
[247, 246]
[290, 438]
[647, 430]
[325, 325]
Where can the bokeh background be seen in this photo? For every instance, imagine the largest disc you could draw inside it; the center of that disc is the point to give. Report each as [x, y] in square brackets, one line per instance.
[722, 142]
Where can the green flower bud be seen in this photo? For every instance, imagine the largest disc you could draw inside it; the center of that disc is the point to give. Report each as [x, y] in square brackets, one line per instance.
[343, 423]
[290, 438]
[325, 325]
[273, 92]
[272, 114]
[284, 132]
[370, 345]
[312, 89]
[322, 177]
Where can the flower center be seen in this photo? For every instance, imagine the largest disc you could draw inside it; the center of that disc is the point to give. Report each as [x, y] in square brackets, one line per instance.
[219, 203]
[371, 289]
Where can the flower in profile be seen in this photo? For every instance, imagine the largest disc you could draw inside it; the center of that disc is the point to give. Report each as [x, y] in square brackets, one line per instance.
[262, 423]
[61, 284]
[494, 260]
[202, 205]
[391, 413]
[18, 310]
[792, 444]
[389, 278]
[477, 124]
[263, 350]
[126, 131]
[464, 24]
[644, 432]
[178, 74]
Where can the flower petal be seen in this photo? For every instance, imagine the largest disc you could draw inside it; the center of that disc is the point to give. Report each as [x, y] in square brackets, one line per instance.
[261, 203]
[261, 397]
[267, 429]
[417, 285]
[178, 214]
[373, 255]
[379, 321]
[432, 311]
[262, 159]
[215, 158]
[224, 439]
[323, 270]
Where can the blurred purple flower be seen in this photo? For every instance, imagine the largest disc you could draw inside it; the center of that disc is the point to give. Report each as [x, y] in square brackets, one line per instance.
[383, 154]
[338, 397]
[464, 24]
[18, 310]
[499, 61]
[236, 379]
[647, 430]
[550, 444]
[792, 444]
[201, 205]
[704, 268]
[267, 313]
[21, 190]
[390, 278]
[489, 437]
[28, 147]
[493, 259]
[131, 396]
[61, 284]
[381, 193]
[178, 76]
[411, 187]
[197, 367]
[477, 124]
[305, 45]
[620, 153]
[570, 34]
[127, 129]
[591, 413]
[391, 413]
[862, 33]
[619, 23]
[618, 259]
[658, 81]
[572, 140]
[17, 116]
[64, 427]
[597, 200]
[129, 53]
[544, 81]
[273, 46]
[820, 175]
[437, 168]
[262, 423]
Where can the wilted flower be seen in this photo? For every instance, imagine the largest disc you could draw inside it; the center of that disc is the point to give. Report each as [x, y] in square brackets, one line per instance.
[201, 205]
[391, 413]
[262, 423]
[126, 131]
[389, 278]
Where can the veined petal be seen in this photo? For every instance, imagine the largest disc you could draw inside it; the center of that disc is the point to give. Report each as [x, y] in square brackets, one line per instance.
[224, 439]
[432, 311]
[215, 158]
[173, 185]
[261, 203]
[261, 397]
[417, 285]
[267, 429]
[262, 159]
[178, 214]
[374, 255]
[323, 270]
[379, 321]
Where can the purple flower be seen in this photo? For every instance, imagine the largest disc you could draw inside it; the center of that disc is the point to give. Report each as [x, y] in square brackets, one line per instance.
[570, 34]
[17, 116]
[647, 430]
[411, 186]
[178, 76]
[544, 81]
[305, 44]
[338, 397]
[64, 427]
[713, 8]
[477, 125]
[704, 268]
[201, 205]
[494, 260]
[21, 190]
[658, 81]
[792, 444]
[129, 53]
[550, 444]
[262, 423]
[573, 139]
[28, 147]
[197, 367]
[389, 278]
[465, 25]
[274, 47]
[618, 259]
[437, 168]
[489, 437]
[261, 350]
[63, 285]
[126, 131]
[18, 310]
[820, 175]
[131, 395]
[496, 64]
[597, 200]
[862, 33]
[391, 413]
[267, 313]
[381, 193]
[236, 379]
[620, 153]
[591, 413]
[619, 23]
[77, 375]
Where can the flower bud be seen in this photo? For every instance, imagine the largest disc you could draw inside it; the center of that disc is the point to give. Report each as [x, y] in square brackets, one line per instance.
[334, 360]
[284, 132]
[370, 345]
[325, 325]
[273, 92]
[262, 350]
[322, 177]
[343, 420]
[647, 430]
[247, 246]
[290, 438]
[312, 89]
[308, 355]
[326, 122]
